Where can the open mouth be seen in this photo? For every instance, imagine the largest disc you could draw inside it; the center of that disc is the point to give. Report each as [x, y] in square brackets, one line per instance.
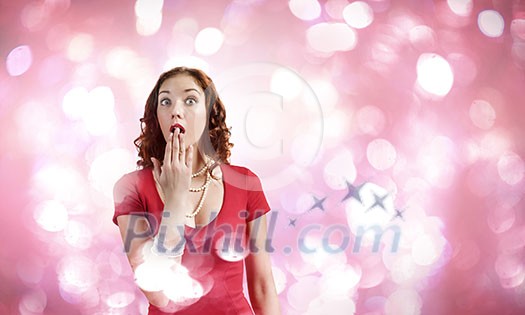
[181, 128]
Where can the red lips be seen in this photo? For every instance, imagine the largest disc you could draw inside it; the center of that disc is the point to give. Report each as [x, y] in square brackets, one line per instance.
[177, 125]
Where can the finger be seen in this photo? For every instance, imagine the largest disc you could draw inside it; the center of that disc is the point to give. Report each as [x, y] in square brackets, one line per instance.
[189, 156]
[182, 156]
[156, 168]
[175, 145]
[167, 153]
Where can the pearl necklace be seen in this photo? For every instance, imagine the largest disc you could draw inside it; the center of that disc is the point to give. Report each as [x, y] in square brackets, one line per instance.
[203, 188]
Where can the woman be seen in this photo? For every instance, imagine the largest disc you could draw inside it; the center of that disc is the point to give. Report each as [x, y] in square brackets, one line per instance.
[189, 219]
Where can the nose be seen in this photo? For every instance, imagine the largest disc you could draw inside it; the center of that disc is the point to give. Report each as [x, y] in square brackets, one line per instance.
[177, 110]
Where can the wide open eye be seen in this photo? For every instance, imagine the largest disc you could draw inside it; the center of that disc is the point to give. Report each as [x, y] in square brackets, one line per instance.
[191, 101]
[165, 102]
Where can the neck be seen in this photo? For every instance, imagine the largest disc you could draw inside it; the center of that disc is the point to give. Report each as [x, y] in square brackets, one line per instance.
[198, 161]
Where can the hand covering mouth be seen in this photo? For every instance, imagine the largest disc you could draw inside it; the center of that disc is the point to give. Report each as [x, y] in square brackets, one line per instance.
[177, 125]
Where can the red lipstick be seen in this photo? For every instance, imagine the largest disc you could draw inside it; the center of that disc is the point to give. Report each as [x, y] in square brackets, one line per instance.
[177, 125]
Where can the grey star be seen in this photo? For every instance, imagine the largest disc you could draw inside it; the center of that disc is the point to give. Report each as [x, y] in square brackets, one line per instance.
[318, 203]
[292, 222]
[399, 214]
[378, 202]
[353, 192]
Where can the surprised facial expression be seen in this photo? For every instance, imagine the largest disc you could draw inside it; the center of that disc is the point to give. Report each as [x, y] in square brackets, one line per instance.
[182, 104]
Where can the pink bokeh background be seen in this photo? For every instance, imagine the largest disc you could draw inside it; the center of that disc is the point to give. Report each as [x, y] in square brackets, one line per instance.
[419, 105]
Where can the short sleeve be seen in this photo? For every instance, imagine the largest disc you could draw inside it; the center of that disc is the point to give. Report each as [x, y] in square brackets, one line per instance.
[126, 197]
[257, 205]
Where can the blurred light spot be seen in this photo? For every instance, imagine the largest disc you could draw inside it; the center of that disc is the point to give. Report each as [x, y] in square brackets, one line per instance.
[149, 16]
[518, 53]
[159, 273]
[331, 37]
[335, 8]
[335, 126]
[500, 219]
[263, 124]
[508, 265]
[57, 37]
[148, 8]
[148, 26]
[435, 160]
[107, 168]
[493, 144]
[323, 306]
[52, 70]
[381, 154]
[226, 250]
[340, 169]
[77, 274]
[517, 28]
[186, 25]
[80, 47]
[119, 60]
[482, 114]
[30, 269]
[34, 15]
[286, 83]
[404, 270]
[51, 215]
[19, 60]
[326, 93]
[303, 150]
[491, 23]
[422, 37]
[208, 41]
[370, 120]
[434, 74]
[460, 7]
[305, 289]
[183, 289]
[153, 274]
[511, 168]
[279, 278]
[78, 235]
[427, 249]
[58, 182]
[238, 23]
[99, 116]
[120, 299]
[305, 9]
[358, 14]
[75, 102]
[339, 282]
[403, 301]
[373, 272]
[33, 302]
[181, 45]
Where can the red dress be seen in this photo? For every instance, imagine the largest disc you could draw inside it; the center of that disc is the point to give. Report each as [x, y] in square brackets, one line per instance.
[214, 252]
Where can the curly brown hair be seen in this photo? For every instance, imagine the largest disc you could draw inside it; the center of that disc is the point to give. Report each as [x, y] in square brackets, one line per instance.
[216, 145]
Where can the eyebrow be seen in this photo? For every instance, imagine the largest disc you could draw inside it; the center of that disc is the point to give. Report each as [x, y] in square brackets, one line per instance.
[186, 90]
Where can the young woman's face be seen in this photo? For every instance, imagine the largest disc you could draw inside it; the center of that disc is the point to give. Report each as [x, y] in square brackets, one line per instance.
[181, 100]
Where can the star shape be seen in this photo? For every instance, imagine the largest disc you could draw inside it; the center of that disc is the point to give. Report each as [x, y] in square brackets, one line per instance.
[292, 222]
[353, 192]
[399, 214]
[378, 201]
[318, 203]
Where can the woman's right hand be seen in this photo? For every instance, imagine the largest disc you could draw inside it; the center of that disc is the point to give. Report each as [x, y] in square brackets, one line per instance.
[174, 176]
